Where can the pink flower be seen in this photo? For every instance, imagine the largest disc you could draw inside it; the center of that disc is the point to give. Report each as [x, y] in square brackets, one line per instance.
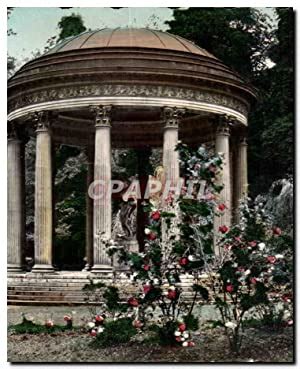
[191, 344]
[137, 324]
[147, 288]
[182, 327]
[277, 231]
[49, 323]
[223, 229]
[67, 318]
[183, 261]
[229, 288]
[99, 318]
[93, 333]
[238, 239]
[222, 207]
[171, 294]
[151, 236]
[178, 339]
[253, 280]
[155, 215]
[271, 259]
[252, 243]
[133, 302]
[146, 267]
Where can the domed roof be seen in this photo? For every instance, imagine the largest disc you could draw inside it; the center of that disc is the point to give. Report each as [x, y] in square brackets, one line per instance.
[129, 38]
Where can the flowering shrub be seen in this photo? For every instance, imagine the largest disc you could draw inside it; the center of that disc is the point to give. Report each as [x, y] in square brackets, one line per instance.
[249, 276]
[187, 223]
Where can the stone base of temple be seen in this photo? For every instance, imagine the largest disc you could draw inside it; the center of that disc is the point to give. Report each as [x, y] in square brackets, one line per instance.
[65, 288]
[43, 268]
[14, 268]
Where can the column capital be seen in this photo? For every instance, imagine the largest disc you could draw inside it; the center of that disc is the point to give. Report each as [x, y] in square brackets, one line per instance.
[41, 120]
[102, 115]
[224, 122]
[172, 116]
[243, 141]
[12, 131]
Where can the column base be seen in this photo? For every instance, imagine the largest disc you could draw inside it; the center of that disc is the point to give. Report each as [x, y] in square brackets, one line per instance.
[14, 268]
[87, 268]
[102, 269]
[42, 268]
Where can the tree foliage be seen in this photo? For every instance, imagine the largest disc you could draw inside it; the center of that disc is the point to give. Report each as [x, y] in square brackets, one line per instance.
[243, 39]
[71, 25]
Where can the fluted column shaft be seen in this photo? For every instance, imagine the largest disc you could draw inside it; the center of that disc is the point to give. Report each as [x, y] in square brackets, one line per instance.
[242, 169]
[102, 178]
[89, 210]
[43, 197]
[15, 206]
[172, 118]
[222, 146]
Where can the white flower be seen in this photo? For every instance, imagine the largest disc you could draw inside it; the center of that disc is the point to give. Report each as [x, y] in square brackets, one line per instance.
[177, 333]
[191, 257]
[247, 272]
[261, 246]
[147, 231]
[172, 288]
[185, 344]
[155, 281]
[100, 329]
[185, 335]
[279, 256]
[91, 325]
[230, 325]
[235, 265]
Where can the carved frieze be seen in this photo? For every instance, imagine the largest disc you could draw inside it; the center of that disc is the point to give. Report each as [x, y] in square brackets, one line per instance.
[117, 90]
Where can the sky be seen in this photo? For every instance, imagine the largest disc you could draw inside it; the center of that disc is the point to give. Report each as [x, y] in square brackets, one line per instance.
[34, 26]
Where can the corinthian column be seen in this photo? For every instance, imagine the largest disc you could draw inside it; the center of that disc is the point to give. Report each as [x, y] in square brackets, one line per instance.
[43, 196]
[222, 146]
[102, 181]
[15, 205]
[172, 117]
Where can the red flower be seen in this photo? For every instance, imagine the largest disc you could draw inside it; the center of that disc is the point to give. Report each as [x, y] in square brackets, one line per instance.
[178, 339]
[151, 236]
[191, 344]
[146, 267]
[182, 327]
[287, 297]
[99, 318]
[137, 324]
[271, 259]
[223, 229]
[183, 261]
[172, 294]
[277, 231]
[93, 333]
[229, 288]
[252, 243]
[133, 301]
[155, 215]
[222, 207]
[147, 288]
[253, 280]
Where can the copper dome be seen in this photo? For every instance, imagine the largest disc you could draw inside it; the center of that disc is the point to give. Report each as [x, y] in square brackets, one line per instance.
[129, 37]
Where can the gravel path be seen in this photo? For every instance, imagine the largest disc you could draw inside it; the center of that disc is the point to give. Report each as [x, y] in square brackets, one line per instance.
[211, 346]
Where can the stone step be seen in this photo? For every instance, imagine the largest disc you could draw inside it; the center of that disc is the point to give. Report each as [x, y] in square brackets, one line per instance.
[43, 288]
